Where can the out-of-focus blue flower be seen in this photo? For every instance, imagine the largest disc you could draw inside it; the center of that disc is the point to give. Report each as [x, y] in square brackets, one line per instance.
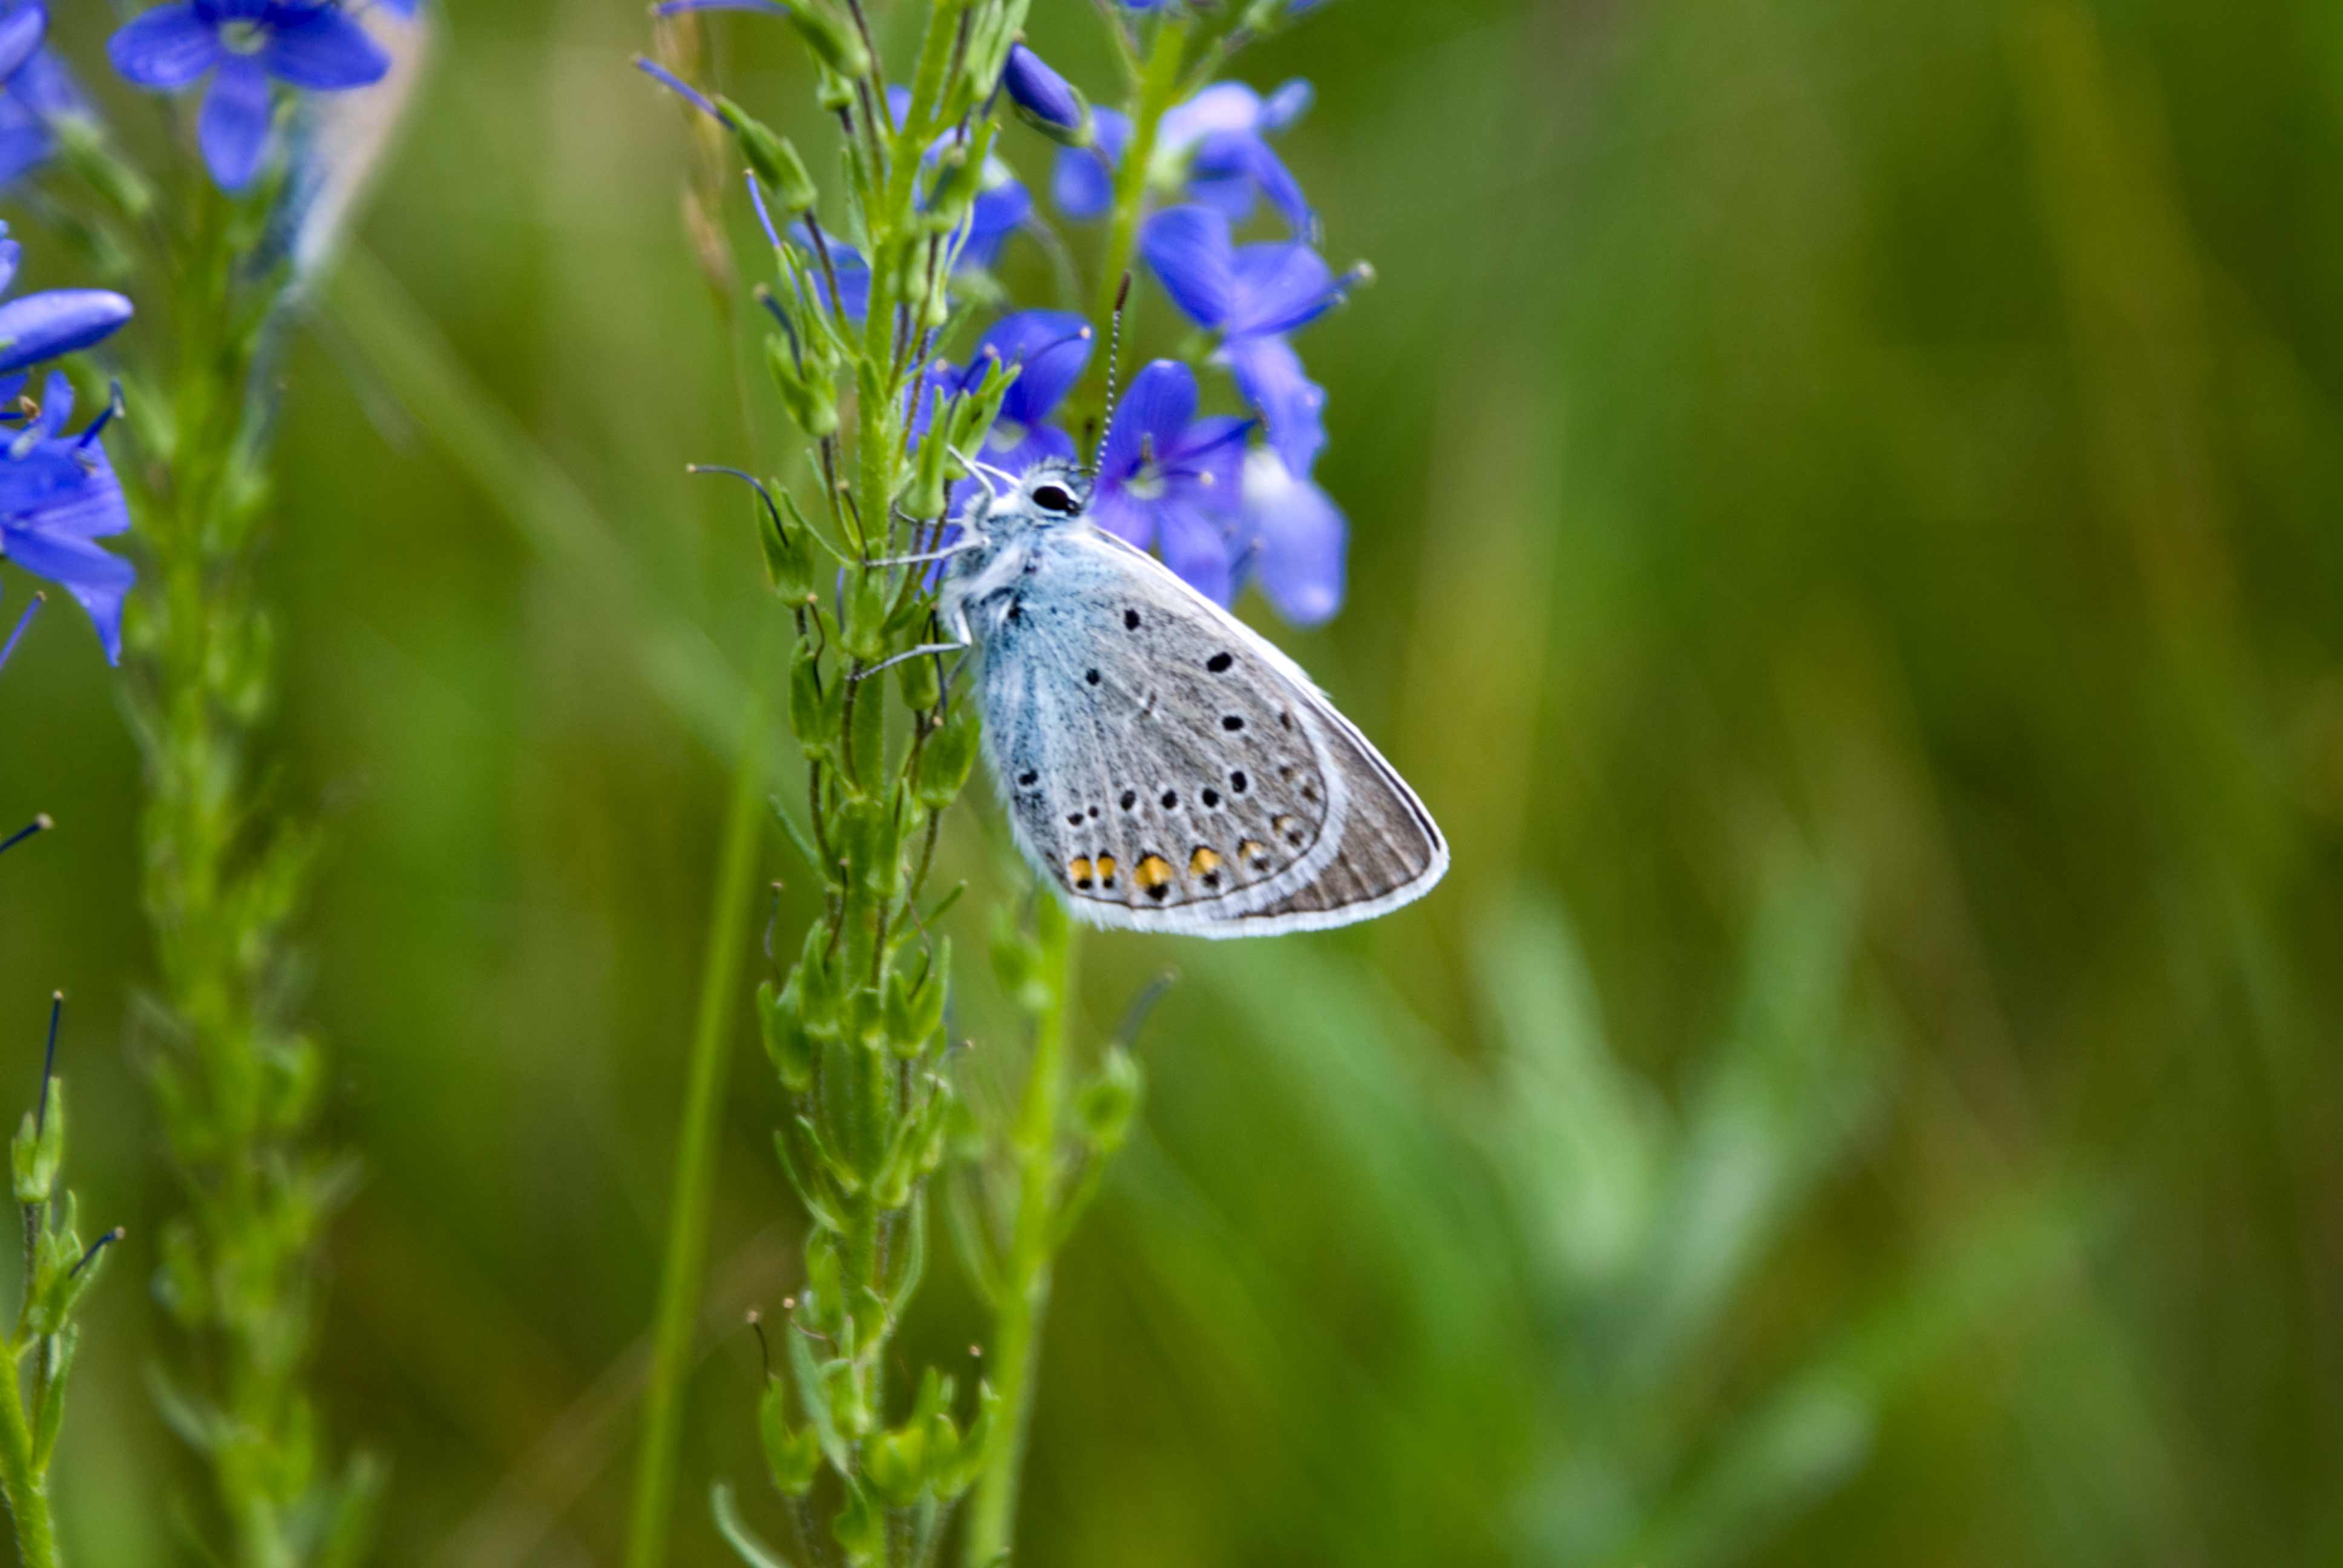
[58, 494]
[1170, 480]
[1039, 91]
[1081, 181]
[36, 95]
[304, 44]
[1214, 147]
[22, 28]
[1253, 296]
[37, 326]
[851, 297]
[1294, 537]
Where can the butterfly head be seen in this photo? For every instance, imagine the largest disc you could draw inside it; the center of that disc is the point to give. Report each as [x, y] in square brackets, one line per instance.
[1046, 495]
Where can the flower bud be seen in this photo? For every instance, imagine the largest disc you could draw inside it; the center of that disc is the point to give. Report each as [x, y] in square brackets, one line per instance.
[814, 704]
[805, 396]
[792, 1454]
[897, 1465]
[781, 1016]
[788, 554]
[37, 326]
[772, 157]
[1043, 99]
[868, 605]
[834, 42]
[1108, 1102]
[946, 760]
[914, 1014]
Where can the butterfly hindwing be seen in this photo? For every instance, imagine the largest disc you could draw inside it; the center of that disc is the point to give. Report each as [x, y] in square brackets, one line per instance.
[1168, 770]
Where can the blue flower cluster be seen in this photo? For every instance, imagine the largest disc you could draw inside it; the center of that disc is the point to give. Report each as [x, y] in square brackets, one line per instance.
[1222, 507]
[1219, 508]
[59, 494]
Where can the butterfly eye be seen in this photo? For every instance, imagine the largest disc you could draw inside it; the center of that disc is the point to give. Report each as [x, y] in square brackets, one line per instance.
[1054, 498]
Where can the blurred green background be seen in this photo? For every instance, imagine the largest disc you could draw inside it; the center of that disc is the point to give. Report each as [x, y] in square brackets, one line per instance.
[1846, 540]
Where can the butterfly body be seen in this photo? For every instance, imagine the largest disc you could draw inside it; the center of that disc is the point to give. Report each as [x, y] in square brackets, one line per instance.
[1164, 767]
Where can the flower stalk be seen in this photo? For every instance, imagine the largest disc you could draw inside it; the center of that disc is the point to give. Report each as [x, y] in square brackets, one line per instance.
[871, 290]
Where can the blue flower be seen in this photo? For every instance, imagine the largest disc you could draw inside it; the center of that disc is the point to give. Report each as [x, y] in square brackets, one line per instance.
[37, 326]
[1294, 537]
[1169, 479]
[305, 43]
[36, 94]
[1253, 296]
[1214, 146]
[58, 496]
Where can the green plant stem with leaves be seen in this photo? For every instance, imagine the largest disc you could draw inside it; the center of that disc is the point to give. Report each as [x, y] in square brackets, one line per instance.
[237, 1082]
[38, 1356]
[855, 1030]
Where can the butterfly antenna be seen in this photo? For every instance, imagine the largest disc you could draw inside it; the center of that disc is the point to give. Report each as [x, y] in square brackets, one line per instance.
[1113, 355]
[986, 474]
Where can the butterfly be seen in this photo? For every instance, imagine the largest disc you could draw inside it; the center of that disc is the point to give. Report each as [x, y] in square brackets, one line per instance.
[1164, 768]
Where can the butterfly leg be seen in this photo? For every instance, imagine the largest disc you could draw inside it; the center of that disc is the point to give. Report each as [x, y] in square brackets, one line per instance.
[921, 651]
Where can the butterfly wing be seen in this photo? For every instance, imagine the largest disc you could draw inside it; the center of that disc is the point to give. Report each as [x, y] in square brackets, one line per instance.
[1168, 770]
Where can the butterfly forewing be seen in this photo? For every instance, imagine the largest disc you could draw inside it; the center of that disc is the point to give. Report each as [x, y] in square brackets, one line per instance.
[1168, 770]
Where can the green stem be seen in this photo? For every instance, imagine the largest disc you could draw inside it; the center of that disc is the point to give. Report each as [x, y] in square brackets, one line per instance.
[695, 1158]
[23, 1483]
[1158, 84]
[1034, 1144]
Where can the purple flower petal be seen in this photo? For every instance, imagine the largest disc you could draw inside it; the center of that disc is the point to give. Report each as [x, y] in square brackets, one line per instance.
[1051, 349]
[165, 49]
[999, 211]
[1229, 166]
[1124, 517]
[1151, 417]
[12, 255]
[1269, 373]
[98, 579]
[322, 49]
[233, 129]
[1197, 547]
[1280, 287]
[1223, 107]
[1189, 248]
[1207, 461]
[1299, 536]
[1081, 181]
[851, 298]
[24, 146]
[1287, 104]
[679, 88]
[56, 321]
[20, 33]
